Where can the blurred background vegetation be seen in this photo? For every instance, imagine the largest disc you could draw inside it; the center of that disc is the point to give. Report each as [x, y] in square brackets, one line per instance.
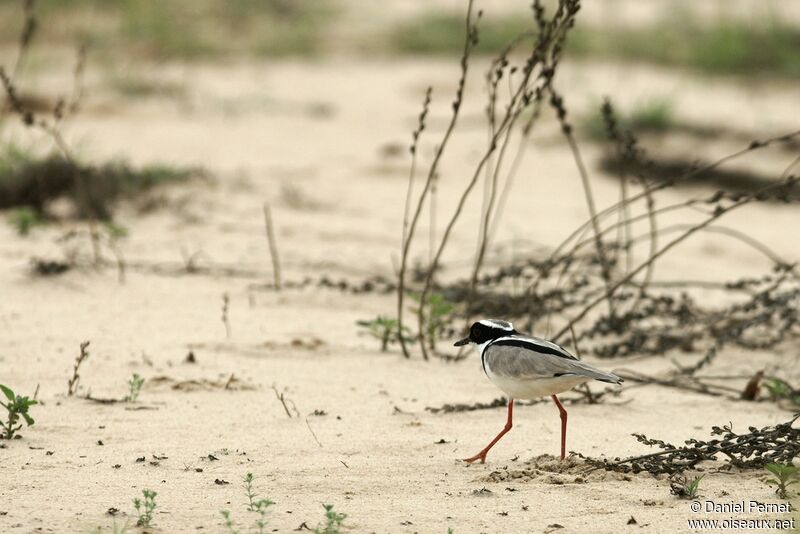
[726, 42]
[746, 41]
[177, 29]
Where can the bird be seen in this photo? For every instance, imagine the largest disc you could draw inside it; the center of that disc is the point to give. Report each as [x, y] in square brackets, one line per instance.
[527, 367]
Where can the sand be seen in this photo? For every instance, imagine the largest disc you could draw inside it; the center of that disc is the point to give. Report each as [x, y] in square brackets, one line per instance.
[317, 141]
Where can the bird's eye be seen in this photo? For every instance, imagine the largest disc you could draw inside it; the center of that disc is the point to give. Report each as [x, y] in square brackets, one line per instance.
[475, 330]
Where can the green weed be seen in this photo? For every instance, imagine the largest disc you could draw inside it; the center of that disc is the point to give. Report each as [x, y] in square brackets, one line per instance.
[332, 522]
[443, 33]
[384, 329]
[16, 407]
[181, 29]
[684, 488]
[779, 389]
[654, 115]
[134, 388]
[32, 181]
[228, 522]
[785, 476]
[145, 507]
[724, 46]
[261, 507]
[254, 504]
[24, 220]
[439, 311]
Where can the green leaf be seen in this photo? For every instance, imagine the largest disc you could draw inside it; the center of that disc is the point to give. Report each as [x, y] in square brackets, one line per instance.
[7, 392]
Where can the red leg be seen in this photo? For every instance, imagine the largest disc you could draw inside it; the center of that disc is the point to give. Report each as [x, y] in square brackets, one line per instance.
[482, 455]
[563, 413]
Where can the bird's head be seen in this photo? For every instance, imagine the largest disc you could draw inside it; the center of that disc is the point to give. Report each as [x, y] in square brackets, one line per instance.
[486, 330]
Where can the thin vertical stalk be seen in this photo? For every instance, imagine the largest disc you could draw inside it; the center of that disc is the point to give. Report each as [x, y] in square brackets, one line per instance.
[469, 42]
[273, 247]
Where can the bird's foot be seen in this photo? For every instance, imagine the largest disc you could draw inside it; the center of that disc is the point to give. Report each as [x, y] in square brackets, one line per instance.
[480, 456]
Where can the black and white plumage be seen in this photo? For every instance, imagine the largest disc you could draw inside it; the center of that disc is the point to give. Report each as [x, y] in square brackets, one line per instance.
[527, 367]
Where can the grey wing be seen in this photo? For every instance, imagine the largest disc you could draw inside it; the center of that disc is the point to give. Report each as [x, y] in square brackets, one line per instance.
[521, 362]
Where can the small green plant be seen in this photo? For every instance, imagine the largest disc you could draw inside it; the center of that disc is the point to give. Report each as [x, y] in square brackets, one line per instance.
[226, 515]
[16, 407]
[780, 389]
[437, 319]
[134, 388]
[249, 491]
[24, 220]
[785, 476]
[260, 506]
[332, 522]
[683, 488]
[384, 329]
[115, 230]
[253, 503]
[144, 508]
[654, 115]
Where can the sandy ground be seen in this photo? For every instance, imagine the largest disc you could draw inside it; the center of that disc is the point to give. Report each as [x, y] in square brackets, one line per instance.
[311, 139]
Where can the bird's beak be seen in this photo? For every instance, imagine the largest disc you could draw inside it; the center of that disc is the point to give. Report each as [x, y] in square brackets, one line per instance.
[461, 342]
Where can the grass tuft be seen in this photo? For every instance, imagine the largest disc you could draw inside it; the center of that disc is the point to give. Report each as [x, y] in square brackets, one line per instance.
[683, 488]
[442, 33]
[134, 388]
[31, 181]
[332, 522]
[182, 29]
[24, 220]
[654, 115]
[724, 46]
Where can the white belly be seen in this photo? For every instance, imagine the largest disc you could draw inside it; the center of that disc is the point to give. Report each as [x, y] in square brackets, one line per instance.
[536, 387]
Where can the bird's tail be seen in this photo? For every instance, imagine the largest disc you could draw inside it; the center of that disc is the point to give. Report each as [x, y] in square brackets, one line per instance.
[597, 374]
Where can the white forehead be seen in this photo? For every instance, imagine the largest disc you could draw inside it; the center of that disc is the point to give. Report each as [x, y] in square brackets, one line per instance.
[497, 323]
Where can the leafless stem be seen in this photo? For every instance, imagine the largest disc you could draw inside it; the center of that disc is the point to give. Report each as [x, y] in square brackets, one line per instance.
[718, 212]
[556, 101]
[663, 184]
[282, 399]
[312, 432]
[469, 42]
[273, 247]
[72, 383]
[225, 321]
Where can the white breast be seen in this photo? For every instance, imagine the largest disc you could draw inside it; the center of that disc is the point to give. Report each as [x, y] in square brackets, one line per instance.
[531, 387]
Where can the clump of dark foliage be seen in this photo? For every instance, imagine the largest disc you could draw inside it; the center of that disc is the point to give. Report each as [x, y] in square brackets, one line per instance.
[35, 182]
[754, 449]
[647, 321]
[600, 285]
[32, 181]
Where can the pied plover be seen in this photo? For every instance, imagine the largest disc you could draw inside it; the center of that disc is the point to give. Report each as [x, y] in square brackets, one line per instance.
[527, 367]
